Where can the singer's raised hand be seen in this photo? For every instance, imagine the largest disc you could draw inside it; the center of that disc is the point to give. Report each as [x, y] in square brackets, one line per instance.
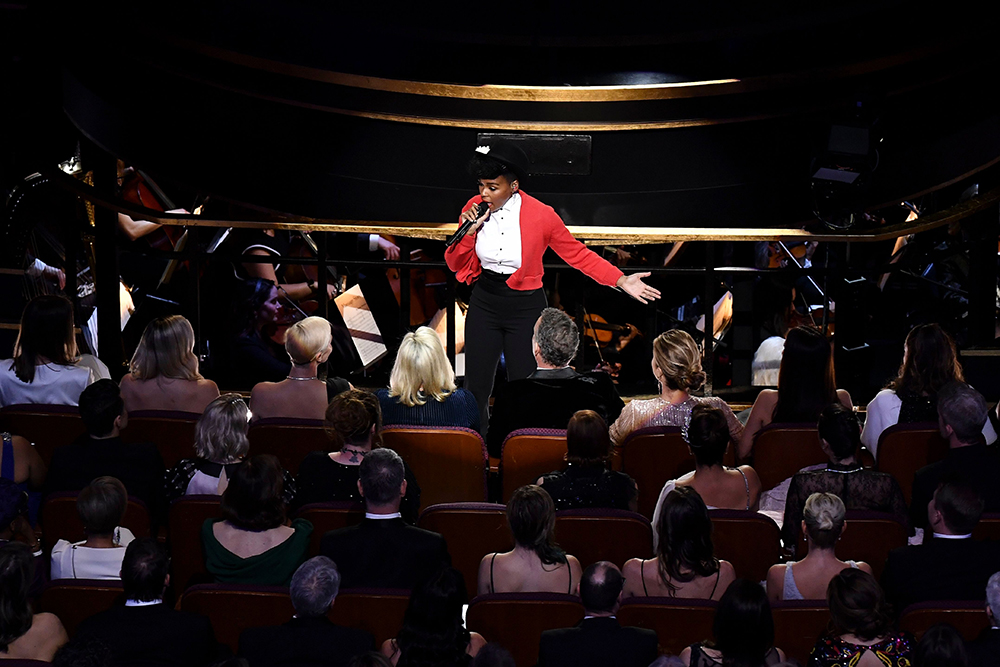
[470, 215]
[632, 285]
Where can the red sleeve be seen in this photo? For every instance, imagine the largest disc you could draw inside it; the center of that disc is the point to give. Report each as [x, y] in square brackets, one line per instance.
[578, 255]
[461, 257]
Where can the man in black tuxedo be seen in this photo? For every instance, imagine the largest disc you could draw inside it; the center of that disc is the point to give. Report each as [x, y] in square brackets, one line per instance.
[101, 452]
[548, 397]
[144, 630]
[598, 640]
[984, 651]
[383, 551]
[962, 413]
[949, 565]
[310, 637]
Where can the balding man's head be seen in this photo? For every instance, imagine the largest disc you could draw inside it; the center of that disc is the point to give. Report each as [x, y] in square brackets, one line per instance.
[600, 588]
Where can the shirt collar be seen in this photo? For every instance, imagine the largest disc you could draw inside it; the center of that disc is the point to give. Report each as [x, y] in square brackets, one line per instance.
[941, 536]
[142, 603]
[382, 517]
[512, 205]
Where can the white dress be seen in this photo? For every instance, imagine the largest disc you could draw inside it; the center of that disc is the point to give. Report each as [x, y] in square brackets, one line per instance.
[53, 384]
[73, 561]
[883, 412]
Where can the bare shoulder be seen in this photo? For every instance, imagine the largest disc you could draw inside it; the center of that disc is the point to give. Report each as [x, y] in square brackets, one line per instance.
[476, 642]
[388, 648]
[727, 575]
[766, 397]
[844, 397]
[22, 445]
[751, 474]
[632, 566]
[863, 566]
[685, 656]
[775, 581]
[208, 386]
[50, 627]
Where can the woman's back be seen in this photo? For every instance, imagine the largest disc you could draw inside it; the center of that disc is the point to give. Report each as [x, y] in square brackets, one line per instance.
[522, 571]
[459, 408]
[807, 579]
[642, 578]
[292, 399]
[41, 641]
[53, 384]
[163, 393]
[725, 488]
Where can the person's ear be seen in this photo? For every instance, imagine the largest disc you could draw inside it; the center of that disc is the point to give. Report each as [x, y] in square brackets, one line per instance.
[362, 491]
[514, 185]
[402, 489]
[803, 529]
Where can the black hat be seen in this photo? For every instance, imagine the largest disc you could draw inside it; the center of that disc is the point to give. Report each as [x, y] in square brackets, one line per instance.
[508, 155]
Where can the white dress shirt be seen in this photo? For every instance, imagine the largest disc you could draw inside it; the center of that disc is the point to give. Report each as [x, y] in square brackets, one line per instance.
[498, 242]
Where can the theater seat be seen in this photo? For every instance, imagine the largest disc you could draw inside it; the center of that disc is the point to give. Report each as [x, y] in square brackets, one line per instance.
[868, 536]
[45, 426]
[749, 540]
[968, 617]
[379, 611]
[233, 608]
[651, 456]
[781, 450]
[74, 600]
[678, 622]
[290, 440]
[988, 527]
[185, 519]
[903, 449]
[172, 432]
[329, 516]
[471, 530]
[60, 521]
[797, 626]
[604, 534]
[450, 464]
[516, 620]
[529, 453]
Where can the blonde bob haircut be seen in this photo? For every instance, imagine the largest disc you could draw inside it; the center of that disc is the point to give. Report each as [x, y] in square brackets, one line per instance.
[307, 339]
[422, 370]
[221, 432]
[166, 349]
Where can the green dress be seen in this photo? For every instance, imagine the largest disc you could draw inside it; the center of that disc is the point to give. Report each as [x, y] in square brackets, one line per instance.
[274, 567]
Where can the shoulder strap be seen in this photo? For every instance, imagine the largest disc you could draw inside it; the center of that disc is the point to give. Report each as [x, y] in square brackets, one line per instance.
[492, 560]
[7, 460]
[642, 575]
[746, 483]
[570, 570]
[718, 575]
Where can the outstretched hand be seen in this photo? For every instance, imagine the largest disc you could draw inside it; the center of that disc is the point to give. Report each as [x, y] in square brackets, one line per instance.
[633, 286]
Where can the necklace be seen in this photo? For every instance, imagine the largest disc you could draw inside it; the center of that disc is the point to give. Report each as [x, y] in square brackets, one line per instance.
[354, 453]
[314, 377]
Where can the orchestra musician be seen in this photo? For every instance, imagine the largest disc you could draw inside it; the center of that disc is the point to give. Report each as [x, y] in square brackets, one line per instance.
[502, 253]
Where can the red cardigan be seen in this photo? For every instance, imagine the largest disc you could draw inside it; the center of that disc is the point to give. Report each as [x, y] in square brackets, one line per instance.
[541, 228]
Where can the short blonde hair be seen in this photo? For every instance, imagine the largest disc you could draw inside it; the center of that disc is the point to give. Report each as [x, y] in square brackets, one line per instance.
[421, 362]
[824, 516]
[221, 432]
[306, 339]
[677, 356]
[167, 349]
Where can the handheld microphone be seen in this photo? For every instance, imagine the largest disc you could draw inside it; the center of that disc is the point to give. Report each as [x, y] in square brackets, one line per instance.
[464, 228]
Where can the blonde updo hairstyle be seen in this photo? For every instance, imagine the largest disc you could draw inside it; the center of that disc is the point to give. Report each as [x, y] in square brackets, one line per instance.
[422, 370]
[679, 360]
[307, 339]
[221, 432]
[166, 349]
[824, 518]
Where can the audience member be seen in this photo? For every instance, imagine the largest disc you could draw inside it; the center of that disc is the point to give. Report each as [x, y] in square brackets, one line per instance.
[806, 385]
[24, 635]
[15, 527]
[20, 463]
[807, 579]
[598, 639]
[101, 506]
[962, 412]
[354, 421]
[949, 565]
[929, 363]
[941, 646]
[309, 637]
[586, 482]
[383, 551]
[984, 650]
[536, 563]
[743, 631]
[844, 476]
[145, 630]
[301, 395]
[719, 486]
[773, 305]
[677, 368]
[220, 446]
[433, 633]
[163, 374]
[47, 367]
[861, 626]
[253, 357]
[422, 387]
[548, 397]
[252, 543]
[101, 452]
[685, 565]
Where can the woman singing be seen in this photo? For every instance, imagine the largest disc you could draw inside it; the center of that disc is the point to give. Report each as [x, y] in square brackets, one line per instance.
[502, 253]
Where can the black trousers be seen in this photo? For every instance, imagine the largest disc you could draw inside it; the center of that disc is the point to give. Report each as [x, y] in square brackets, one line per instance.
[500, 319]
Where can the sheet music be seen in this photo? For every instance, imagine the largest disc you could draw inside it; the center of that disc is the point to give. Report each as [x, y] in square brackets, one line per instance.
[361, 323]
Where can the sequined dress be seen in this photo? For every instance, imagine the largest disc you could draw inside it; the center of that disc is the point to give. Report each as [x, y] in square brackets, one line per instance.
[658, 412]
[586, 487]
[893, 651]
